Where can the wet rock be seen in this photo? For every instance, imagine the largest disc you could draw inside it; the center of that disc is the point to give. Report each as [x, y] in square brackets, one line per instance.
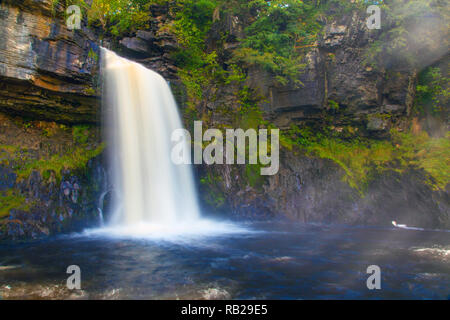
[376, 123]
[145, 35]
[46, 71]
[69, 207]
[136, 45]
[336, 70]
[334, 35]
[7, 178]
[309, 189]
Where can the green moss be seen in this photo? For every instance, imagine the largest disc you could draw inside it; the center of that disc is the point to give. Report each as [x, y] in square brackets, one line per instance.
[80, 134]
[75, 159]
[66, 154]
[381, 116]
[90, 91]
[9, 150]
[253, 176]
[399, 37]
[93, 55]
[429, 154]
[48, 132]
[333, 105]
[248, 114]
[11, 200]
[213, 195]
[358, 158]
[363, 158]
[433, 93]
[215, 200]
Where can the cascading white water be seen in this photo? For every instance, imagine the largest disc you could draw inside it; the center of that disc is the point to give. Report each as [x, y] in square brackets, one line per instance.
[141, 115]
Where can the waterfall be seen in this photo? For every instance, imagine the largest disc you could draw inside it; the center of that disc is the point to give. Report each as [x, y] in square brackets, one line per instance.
[140, 116]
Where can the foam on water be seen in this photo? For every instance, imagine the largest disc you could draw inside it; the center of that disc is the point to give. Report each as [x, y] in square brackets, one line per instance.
[183, 231]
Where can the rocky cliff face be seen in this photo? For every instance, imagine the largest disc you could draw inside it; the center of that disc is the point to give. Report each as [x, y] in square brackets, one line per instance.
[47, 72]
[52, 178]
[337, 75]
[50, 182]
[51, 74]
[309, 189]
[151, 47]
[342, 89]
[340, 81]
[56, 206]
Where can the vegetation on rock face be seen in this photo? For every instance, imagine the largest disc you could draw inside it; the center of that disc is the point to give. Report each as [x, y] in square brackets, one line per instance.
[433, 93]
[212, 195]
[275, 36]
[363, 158]
[412, 30]
[116, 16]
[430, 154]
[80, 151]
[11, 200]
[277, 32]
[74, 159]
[47, 148]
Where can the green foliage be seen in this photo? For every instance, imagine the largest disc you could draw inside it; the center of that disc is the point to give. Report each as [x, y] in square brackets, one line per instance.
[48, 132]
[198, 69]
[333, 105]
[430, 154]
[193, 20]
[410, 29]
[433, 95]
[362, 158]
[252, 175]
[276, 35]
[214, 196]
[80, 134]
[11, 200]
[121, 16]
[248, 115]
[93, 55]
[75, 159]
[117, 16]
[198, 78]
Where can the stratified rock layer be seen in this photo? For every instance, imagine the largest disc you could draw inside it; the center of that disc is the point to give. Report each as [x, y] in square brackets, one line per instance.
[46, 71]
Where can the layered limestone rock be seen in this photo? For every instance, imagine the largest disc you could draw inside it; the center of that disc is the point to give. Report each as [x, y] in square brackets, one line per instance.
[152, 47]
[50, 73]
[46, 70]
[337, 71]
